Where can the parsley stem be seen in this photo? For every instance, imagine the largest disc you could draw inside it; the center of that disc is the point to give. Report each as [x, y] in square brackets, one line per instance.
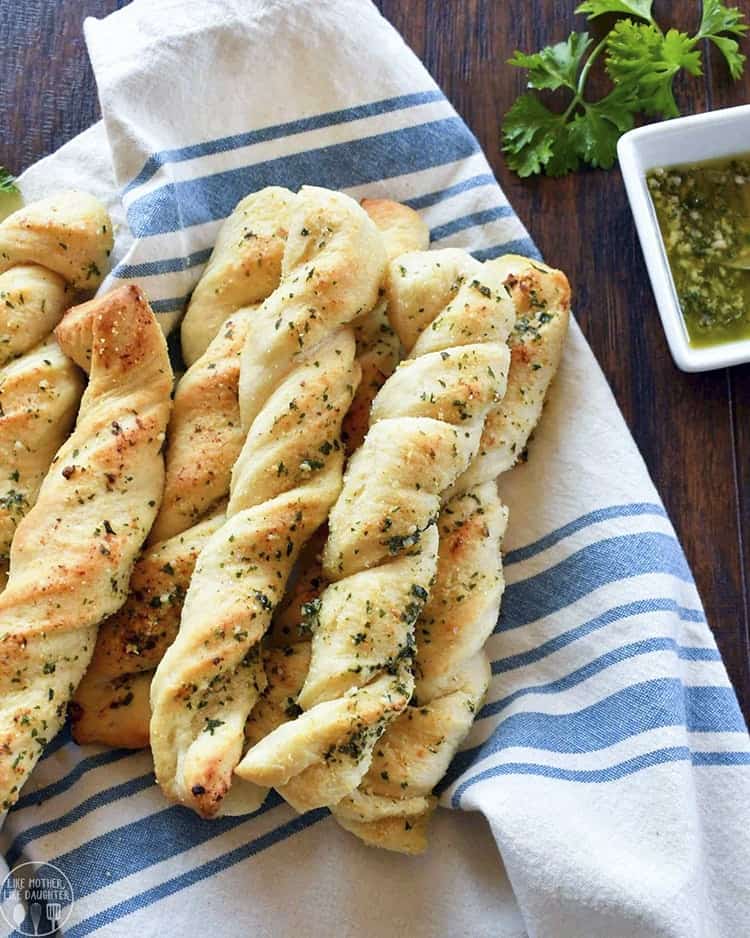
[587, 67]
[578, 96]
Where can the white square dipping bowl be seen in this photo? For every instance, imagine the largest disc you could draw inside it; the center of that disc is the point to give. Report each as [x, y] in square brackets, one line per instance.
[693, 139]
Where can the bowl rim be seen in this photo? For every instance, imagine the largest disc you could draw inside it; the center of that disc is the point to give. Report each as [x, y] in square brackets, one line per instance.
[634, 164]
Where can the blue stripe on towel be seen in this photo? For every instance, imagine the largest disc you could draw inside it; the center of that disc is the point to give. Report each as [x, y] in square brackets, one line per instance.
[615, 614]
[277, 131]
[419, 202]
[161, 836]
[339, 166]
[616, 655]
[169, 265]
[197, 874]
[471, 221]
[67, 781]
[524, 246]
[637, 709]
[572, 527]
[172, 305]
[610, 773]
[101, 798]
[727, 757]
[588, 569]
[62, 739]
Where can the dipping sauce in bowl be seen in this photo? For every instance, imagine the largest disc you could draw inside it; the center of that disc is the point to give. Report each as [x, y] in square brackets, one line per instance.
[703, 211]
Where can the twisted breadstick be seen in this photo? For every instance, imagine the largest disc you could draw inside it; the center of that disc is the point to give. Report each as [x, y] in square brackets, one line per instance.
[393, 804]
[72, 554]
[287, 477]
[426, 425]
[205, 437]
[244, 267]
[47, 250]
[111, 704]
[287, 661]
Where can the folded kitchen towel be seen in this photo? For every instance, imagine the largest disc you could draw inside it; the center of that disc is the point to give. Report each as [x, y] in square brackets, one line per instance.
[610, 761]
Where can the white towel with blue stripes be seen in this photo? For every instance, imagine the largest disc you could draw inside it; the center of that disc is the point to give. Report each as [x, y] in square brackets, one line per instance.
[609, 770]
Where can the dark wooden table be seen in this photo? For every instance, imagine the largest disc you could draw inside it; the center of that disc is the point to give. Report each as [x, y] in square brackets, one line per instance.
[693, 430]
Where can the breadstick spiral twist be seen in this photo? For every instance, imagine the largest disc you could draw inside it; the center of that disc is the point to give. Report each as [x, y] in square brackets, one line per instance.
[426, 426]
[287, 658]
[204, 439]
[72, 554]
[48, 250]
[244, 267]
[394, 802]
[289, 473]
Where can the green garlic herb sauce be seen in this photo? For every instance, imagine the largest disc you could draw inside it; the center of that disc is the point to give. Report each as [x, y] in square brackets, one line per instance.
[704, 216]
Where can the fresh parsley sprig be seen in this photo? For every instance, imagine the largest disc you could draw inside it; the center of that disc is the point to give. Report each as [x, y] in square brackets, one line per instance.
[641, 61]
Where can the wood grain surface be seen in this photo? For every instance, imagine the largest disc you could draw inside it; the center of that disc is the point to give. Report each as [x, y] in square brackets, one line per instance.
[693, 430]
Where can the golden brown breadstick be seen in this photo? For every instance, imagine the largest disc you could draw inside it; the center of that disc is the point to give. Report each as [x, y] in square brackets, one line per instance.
[203, 442]
[72, 554]
[296, 385]
[393, 804]
[205, 437]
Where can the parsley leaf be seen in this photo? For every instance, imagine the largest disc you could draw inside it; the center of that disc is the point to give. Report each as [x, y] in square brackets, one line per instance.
[565, 158]
[7, 182]
[639, 8]
[718, 18]
[555, 66]
[640, 57]
[595, 132]
[531, 136]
